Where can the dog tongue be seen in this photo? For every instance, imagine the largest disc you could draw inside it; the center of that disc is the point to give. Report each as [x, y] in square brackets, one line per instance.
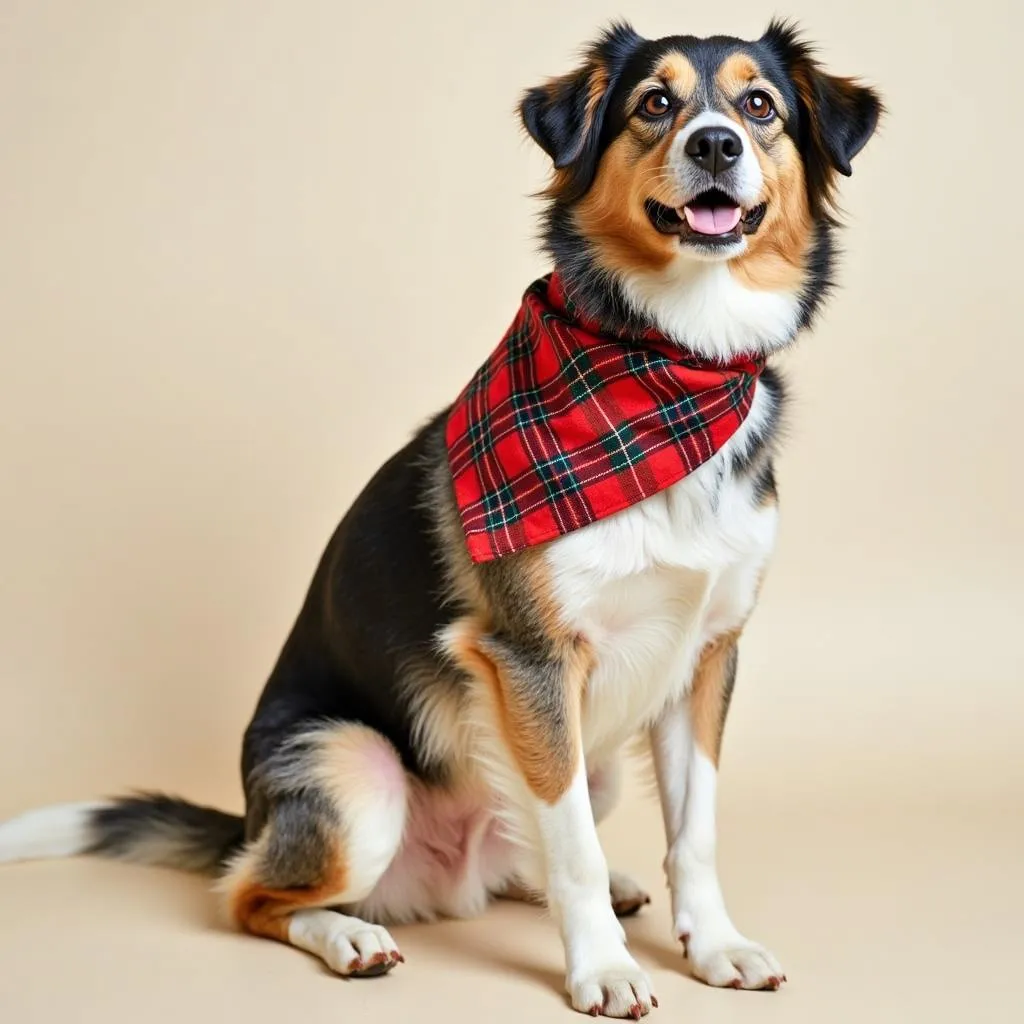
[712, 220]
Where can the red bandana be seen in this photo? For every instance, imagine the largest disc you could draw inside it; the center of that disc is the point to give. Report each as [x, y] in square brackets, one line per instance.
[564, 425]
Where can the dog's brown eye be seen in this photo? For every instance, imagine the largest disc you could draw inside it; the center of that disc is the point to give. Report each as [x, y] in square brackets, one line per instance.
[656, 104]
[759, 105]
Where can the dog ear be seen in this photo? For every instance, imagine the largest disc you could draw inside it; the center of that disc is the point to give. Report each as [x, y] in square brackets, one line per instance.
[836, 115]
[847, 115]
[565, 116]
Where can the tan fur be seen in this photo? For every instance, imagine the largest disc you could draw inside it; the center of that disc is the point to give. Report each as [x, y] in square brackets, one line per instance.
[678, 73]
[633, 169]
[709, 695]
[612, 214]
[438, 710]
[266, 911]
[517, 594]
[543, 742]
[596, 87]
[777, 253]
[338, 765]
[736, 73]
[343, 764]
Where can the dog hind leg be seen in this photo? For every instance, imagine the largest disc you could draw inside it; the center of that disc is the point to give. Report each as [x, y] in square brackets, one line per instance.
[336, 803]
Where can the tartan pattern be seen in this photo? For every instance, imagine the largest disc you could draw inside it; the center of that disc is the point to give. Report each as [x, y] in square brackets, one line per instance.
[564, 425]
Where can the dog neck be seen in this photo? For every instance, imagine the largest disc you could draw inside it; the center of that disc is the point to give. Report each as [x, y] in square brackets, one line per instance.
[703, 307]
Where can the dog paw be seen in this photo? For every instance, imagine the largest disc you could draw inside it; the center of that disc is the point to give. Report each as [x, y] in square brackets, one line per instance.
[348, 946]
[737, 963]
[364, 952]
[627, 896]
[619, 990]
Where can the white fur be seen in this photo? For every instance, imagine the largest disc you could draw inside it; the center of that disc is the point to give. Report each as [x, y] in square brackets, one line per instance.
[704, 307]
[605, 784]
[671, 747]
[696, 300]
[625, 890]
[375, 841]
[600, 972]
[718, 953]
[649, 587]
[744, 180]
[59, 831]
[345, 944]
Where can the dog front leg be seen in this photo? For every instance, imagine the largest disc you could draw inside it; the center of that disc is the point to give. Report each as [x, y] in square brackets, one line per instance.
[601, 975]
[686, 741]
[534, 700]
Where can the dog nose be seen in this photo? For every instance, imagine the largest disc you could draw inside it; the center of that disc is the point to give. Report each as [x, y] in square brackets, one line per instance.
[715, 148]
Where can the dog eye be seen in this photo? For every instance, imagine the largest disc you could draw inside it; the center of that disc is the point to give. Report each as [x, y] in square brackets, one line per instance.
[759, 105]
[656, 103]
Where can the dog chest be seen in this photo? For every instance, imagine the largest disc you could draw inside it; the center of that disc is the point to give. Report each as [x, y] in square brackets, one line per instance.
[649, 587]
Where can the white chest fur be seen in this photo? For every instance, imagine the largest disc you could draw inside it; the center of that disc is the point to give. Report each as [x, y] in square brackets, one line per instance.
[649, 587]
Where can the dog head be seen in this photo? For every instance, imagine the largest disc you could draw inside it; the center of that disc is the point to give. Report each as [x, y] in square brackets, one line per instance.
[694, 181]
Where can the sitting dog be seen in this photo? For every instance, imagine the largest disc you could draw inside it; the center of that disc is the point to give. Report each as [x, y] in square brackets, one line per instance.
[561, 560]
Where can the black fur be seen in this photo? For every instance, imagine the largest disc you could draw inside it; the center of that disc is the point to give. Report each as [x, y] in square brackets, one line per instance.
[375, 604]
[844, 113]
[828, 135]
[171, 831]
[305, 826]
[765, 487]
[556, 115]
[761, 446]
[821, 273]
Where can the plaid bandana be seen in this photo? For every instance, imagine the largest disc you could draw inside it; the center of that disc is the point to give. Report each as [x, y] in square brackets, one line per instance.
[564, 425]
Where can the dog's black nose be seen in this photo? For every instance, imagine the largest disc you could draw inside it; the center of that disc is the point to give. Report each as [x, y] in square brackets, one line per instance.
[715, 148]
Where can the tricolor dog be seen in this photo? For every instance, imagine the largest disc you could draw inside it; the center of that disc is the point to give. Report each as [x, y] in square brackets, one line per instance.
[561, 560]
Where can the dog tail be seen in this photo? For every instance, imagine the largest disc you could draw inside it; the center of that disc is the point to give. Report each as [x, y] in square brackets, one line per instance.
[148, 828]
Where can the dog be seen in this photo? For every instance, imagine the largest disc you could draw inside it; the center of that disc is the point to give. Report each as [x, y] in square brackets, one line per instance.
[559, 562]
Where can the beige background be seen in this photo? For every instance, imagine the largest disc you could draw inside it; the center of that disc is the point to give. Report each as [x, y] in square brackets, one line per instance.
[247, 246]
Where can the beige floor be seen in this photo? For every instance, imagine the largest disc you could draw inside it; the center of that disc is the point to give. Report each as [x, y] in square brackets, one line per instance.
[878, 914]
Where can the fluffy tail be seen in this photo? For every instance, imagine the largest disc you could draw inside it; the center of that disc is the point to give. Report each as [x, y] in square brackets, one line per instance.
[146, 829]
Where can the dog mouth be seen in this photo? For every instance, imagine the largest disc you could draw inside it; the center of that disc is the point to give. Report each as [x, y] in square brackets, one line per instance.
[711, 218]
